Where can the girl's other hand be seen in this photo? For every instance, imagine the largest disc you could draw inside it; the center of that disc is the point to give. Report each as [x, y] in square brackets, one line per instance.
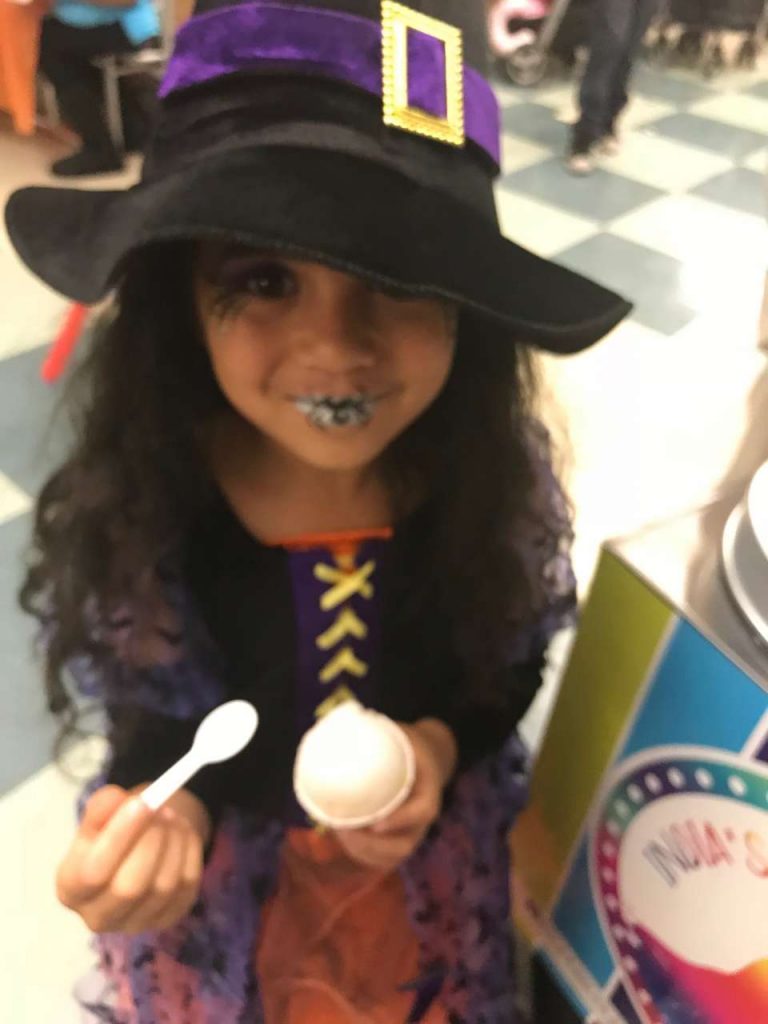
[131, 870]
[387, 845]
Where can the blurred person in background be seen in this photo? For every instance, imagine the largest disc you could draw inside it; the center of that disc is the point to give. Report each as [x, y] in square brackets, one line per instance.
[616, 32]
[73, 34]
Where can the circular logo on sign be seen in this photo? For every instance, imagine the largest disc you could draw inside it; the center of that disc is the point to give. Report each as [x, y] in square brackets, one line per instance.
[679, 863]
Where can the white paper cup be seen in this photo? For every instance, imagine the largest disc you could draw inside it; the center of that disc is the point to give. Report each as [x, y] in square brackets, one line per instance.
[353, 768]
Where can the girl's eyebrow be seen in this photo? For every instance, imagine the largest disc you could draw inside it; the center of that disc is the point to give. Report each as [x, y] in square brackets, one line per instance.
[217, 257]
[239, 250]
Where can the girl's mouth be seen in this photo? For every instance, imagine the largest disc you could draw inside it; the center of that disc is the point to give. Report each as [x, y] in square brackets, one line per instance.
[332, 411]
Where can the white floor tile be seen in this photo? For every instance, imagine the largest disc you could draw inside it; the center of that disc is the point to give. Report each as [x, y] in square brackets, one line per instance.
[43, 947]
[508, 95]
[724, 253]
[758, 162]
[736, 109]
[642, 110]
[698, 231]
[540, 227]
[13, 501]
[26, 161]
[36, 312]
[566, 113]
[652, 422]
[561, 96]
[517, 153]
[663, 163]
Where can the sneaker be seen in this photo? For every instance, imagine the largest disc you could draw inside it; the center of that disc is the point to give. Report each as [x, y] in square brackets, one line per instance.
[580, 164]
[87, 161]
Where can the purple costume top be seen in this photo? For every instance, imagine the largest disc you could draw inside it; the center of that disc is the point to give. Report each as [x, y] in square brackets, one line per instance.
[457, 883]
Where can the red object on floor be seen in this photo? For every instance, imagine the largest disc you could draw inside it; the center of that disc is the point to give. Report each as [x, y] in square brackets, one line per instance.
[56, 361]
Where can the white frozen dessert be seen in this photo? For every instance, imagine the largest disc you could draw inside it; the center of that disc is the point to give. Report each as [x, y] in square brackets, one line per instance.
[353, 768]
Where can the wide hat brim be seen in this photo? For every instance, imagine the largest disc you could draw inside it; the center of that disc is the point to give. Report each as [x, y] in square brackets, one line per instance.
[347, 213]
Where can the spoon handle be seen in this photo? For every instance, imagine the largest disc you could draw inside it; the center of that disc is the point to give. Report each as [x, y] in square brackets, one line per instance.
[171, 782]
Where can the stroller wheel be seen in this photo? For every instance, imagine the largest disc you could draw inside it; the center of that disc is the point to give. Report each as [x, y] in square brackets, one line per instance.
[526, 66]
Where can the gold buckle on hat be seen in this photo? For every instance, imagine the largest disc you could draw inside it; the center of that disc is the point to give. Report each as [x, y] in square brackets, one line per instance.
[396, 21]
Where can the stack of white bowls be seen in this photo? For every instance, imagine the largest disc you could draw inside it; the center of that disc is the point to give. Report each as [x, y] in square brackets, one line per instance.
[745, 554]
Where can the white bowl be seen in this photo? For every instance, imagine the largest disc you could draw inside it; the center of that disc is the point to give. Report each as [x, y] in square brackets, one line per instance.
[745, 554]
[353, 768]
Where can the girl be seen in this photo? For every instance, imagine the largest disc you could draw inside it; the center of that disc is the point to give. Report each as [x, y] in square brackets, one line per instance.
[305, 470]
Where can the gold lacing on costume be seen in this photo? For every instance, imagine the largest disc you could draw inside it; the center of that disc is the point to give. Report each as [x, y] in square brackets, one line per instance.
[344, 660]
[346, 624]
[339, 696]
[346, 580]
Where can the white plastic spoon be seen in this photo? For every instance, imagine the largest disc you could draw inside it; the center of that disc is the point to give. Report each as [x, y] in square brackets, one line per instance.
[222, 734]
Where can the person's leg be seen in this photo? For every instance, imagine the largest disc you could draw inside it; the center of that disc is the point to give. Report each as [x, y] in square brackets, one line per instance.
[610, 27]
[610, 21]
[138, 98]
[644, 13]
[66, 55]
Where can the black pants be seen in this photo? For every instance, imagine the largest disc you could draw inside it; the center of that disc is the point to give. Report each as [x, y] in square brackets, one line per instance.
[66, 53]
[617, 31]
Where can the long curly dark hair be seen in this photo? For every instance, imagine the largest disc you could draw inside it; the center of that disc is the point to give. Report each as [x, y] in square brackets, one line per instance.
[137, 476]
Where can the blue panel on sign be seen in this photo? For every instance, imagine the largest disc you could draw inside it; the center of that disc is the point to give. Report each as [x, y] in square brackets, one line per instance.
[697, 697]
[576, 919]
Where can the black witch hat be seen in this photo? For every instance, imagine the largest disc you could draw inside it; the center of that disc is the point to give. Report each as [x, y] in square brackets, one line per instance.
[356, 133]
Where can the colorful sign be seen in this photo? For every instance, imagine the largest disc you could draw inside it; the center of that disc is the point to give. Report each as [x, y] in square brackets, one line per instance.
[642, 861]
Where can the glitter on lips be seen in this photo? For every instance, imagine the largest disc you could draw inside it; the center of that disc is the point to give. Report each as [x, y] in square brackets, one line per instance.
[327, 412]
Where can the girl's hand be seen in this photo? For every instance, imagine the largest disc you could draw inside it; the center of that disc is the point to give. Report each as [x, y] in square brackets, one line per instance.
[388, 844]
[131, 870]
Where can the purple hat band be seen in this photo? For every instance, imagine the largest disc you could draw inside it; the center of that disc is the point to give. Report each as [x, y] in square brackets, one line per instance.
[324, 42]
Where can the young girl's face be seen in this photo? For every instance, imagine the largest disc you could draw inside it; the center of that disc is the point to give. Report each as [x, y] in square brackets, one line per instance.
[327, 367]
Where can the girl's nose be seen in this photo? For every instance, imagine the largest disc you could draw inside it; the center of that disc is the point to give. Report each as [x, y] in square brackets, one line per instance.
[338, 332]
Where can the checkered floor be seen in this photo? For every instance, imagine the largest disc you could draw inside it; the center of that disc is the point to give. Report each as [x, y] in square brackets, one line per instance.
[676, 222]
[689, 184]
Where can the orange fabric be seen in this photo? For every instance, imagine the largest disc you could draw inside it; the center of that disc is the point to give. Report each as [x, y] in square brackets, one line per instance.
[336, 944]
[19, 45]
[338, 541]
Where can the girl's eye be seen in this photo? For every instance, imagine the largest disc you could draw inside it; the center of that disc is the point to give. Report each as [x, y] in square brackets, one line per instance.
[265, 281]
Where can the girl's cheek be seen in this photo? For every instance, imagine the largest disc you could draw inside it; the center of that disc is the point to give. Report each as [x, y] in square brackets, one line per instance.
[227, 341]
